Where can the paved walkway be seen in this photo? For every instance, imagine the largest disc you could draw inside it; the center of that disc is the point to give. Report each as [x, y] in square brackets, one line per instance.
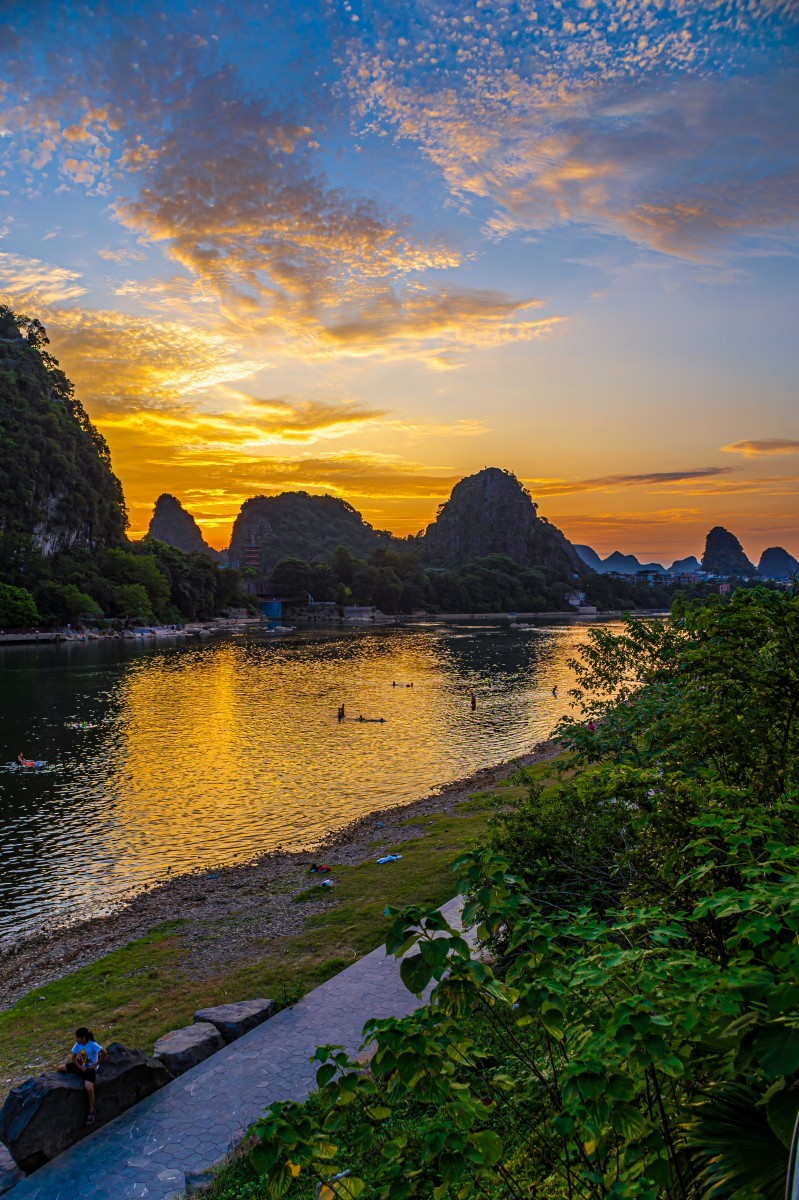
[192, 1124]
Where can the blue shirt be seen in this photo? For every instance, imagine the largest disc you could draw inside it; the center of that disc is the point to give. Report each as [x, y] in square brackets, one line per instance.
[88, 1055]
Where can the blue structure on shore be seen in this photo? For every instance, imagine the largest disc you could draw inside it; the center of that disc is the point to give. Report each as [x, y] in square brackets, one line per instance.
[272, 609]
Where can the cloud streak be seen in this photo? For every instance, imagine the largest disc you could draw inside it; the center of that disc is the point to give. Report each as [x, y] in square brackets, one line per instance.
[763, 447]
[32, 281]
[654, 480]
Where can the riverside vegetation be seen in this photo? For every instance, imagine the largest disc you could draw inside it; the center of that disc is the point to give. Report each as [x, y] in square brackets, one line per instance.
[635, 1033]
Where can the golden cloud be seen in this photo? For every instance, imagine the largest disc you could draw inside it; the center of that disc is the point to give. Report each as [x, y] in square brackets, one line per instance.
[217, 479]
[122, 255]
[29, 281]
[116, 360]
[230, 189]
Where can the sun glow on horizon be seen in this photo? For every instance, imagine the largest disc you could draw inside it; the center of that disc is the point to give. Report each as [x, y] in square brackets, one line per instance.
[299, 251]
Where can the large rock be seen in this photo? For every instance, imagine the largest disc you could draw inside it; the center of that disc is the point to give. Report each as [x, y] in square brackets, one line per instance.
[10, 1173]
[44, 1116]
[182, 1049]
[234, 1020]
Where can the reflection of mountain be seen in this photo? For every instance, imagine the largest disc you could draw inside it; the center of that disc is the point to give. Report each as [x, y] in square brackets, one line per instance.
[260, 718]
[491, 657]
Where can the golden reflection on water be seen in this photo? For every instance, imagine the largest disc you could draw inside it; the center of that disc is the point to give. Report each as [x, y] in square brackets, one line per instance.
[214, 753]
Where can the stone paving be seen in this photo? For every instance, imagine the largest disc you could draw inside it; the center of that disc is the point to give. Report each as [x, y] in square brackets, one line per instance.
[193, 1123]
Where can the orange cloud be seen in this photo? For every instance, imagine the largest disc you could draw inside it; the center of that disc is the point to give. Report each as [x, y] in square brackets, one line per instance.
[117, 361]
[763, 446]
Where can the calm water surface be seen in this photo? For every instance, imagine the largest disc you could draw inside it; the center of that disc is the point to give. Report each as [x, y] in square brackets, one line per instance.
[214, 752]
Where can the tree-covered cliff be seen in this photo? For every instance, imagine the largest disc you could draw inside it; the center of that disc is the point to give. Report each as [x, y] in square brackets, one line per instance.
[57, 488]
[491, 513]
[64, 556]
[300, 525]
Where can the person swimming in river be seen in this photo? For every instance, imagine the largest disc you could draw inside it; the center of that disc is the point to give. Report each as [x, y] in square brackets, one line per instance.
[341, 714]
[473, 701]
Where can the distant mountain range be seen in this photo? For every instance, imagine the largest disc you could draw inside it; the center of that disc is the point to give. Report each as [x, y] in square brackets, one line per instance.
[724, 555]
[628, 564]
[488, 513]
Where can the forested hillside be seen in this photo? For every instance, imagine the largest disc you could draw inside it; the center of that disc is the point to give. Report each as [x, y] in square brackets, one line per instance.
[64, 556]
[57, 488]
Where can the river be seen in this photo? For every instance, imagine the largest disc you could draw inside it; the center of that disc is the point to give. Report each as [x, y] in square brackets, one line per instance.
[213, 752]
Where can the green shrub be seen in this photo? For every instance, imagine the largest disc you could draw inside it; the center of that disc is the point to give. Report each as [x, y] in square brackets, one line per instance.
[17, 607]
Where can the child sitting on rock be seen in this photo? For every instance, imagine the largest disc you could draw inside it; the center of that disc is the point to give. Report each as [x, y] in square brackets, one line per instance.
[87, 1055]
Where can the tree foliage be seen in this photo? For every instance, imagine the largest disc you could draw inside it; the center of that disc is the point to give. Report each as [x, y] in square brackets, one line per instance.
[17, 607]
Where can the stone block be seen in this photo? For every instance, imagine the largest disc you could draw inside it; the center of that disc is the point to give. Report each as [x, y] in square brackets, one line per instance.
[182, 1049]
[10, 1173]
[234, 1020]
[45, 1115]
[198, 1182]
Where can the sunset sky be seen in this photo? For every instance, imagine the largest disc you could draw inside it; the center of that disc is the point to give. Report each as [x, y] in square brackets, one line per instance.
[368, 248]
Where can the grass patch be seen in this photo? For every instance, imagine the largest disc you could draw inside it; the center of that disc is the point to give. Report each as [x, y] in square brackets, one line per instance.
[137, 993]
[125, 993]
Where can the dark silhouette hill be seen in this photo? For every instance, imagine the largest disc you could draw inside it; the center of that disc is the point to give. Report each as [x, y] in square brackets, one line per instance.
[624, 564]
[299, 525]
[590, 557]
[171, 523]
[627, 564]
[491, 513]
[776, 563]
[685, 566]
[724, 555]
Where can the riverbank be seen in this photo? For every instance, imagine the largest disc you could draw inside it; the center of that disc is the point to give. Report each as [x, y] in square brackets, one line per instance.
[221, 625]
[190, 629]
[265, 927]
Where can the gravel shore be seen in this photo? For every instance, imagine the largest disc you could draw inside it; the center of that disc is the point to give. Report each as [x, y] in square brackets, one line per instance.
[247, 903]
